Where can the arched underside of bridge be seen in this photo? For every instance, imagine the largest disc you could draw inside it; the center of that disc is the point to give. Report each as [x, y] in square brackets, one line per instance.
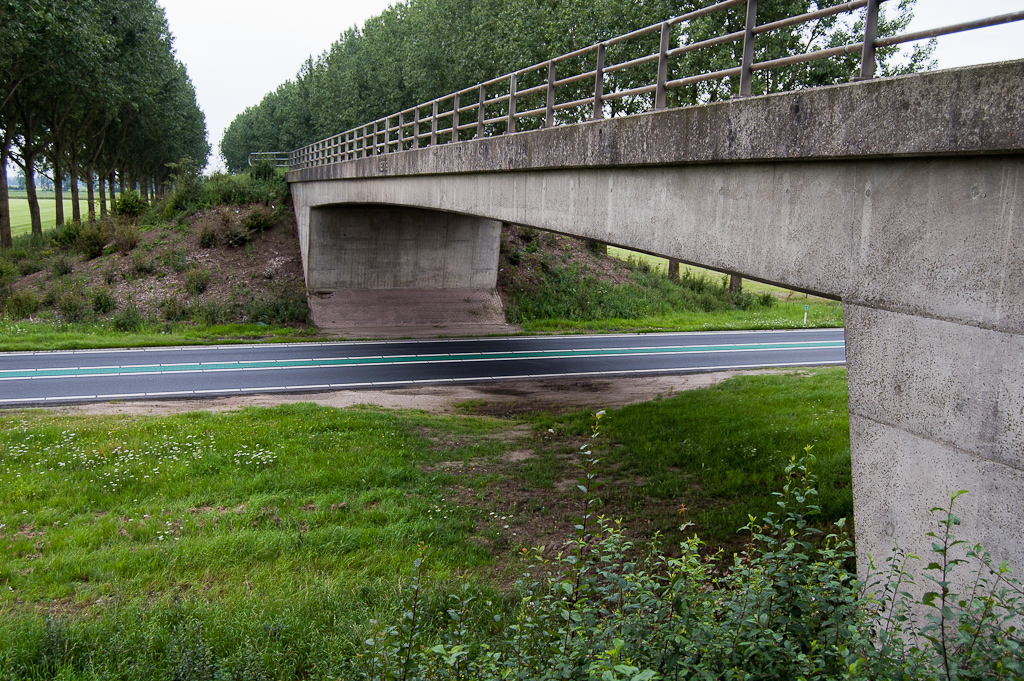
[904, 198]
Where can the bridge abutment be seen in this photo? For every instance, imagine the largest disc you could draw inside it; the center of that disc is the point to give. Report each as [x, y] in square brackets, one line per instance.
[388, 247]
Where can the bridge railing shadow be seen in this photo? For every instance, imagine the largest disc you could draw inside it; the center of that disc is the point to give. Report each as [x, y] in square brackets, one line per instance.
[715, 57]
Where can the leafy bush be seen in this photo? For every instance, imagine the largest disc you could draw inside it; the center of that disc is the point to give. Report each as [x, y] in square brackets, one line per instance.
[103, 301]
[130, 204]
[29, 266]
[22, 303]
[66, 234]
[60, 266]
[126, 237]
[196, 280]
[177, 259]
[129, 319]
[91, 240]
[73, 303]
[174, 309]
[208, 237]
[785, 609]
[282, 305]
[262, 171]
[236, 234]
[142, 263]
[187, 184]
[209, 313]
[260, 219]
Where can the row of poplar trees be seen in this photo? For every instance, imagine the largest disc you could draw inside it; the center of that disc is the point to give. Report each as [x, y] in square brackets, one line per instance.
[90, 91]
[419, 50]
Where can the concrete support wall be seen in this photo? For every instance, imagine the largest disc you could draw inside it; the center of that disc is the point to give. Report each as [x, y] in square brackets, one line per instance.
[904, 198]
[383, 247]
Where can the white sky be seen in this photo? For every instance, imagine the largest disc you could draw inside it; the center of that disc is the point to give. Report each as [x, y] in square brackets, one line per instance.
[237, 51]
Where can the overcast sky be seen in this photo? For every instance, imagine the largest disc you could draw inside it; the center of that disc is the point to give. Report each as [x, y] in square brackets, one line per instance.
[237, 51]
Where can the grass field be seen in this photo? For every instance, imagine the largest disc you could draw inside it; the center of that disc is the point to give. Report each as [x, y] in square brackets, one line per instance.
[21, 221]
[264, 543]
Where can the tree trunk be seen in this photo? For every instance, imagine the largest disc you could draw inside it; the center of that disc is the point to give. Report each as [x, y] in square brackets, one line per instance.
[735, 283]
[5, 206]
[58, 183]
[673, 270]
[89, 181]
[112, 184]
[103, 197]
[33, 200]
[76, 207]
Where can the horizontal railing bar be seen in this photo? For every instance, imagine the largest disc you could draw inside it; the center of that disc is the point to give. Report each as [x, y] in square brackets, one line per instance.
[724, 73]
[850, 48]
[946, 30]
[573, 104]
[710, 42]
[632, 91]
[500, 119]
[531, 90]
[632, 62]
[575, 79]
[531, 112]
[810, 16]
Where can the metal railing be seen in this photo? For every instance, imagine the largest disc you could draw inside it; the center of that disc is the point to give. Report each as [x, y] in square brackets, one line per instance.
[280, 159]
[493, 107]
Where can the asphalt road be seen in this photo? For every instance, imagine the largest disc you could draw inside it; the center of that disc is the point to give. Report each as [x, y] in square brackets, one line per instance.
[28, 378]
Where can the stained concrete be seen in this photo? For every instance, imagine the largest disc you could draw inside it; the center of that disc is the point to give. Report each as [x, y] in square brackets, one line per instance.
[372, 247]
[904, 198]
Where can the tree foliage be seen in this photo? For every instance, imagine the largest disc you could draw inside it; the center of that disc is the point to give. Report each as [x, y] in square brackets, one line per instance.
[418, 50]
[88, 89]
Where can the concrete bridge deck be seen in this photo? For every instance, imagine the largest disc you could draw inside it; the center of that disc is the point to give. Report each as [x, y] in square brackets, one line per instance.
[902, 197]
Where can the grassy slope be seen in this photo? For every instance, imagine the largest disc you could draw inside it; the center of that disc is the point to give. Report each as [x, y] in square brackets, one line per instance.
[21, 222]
[158, 541]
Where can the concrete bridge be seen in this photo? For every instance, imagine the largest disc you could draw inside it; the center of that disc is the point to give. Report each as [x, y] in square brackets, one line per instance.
[901, 197]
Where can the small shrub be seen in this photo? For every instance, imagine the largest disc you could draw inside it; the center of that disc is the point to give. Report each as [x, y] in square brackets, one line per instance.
[66, 234]
[29, 266]
[260, 219]
[73, 304]
[109, 276]
[765, 299]
[129, 319]
[236, 234]
[142, 263]
[262, 171]
[91, 240]
[177, 260]
[60, 266]
[131, 205]
[103, 301]
[126, 238]
[174, 309]
[515, 257]
[209, 313]
[196, 280]
[208, 237]
[22, 303]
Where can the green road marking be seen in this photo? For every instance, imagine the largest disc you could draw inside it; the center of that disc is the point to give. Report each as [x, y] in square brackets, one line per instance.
[403, 359]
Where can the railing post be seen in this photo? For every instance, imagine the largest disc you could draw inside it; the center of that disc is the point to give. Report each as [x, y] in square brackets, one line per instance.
[511, 127]
[455, 118]
[659, 92]
[433, 124]
[599, 84]
[373, 143]
[549, 114]
[867, 60]
[416, 129]
[481, 112]
[401, 131]
[746, 75]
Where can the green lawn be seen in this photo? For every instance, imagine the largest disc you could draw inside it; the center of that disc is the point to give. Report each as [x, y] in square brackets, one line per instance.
[265, 543]
[21, 222]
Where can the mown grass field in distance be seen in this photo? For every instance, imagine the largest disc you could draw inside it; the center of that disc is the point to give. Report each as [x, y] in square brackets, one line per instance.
[21, 220]
[261, 543]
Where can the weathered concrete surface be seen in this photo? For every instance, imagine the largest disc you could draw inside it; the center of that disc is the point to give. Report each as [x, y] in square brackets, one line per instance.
[904, 198]
[369, 247]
